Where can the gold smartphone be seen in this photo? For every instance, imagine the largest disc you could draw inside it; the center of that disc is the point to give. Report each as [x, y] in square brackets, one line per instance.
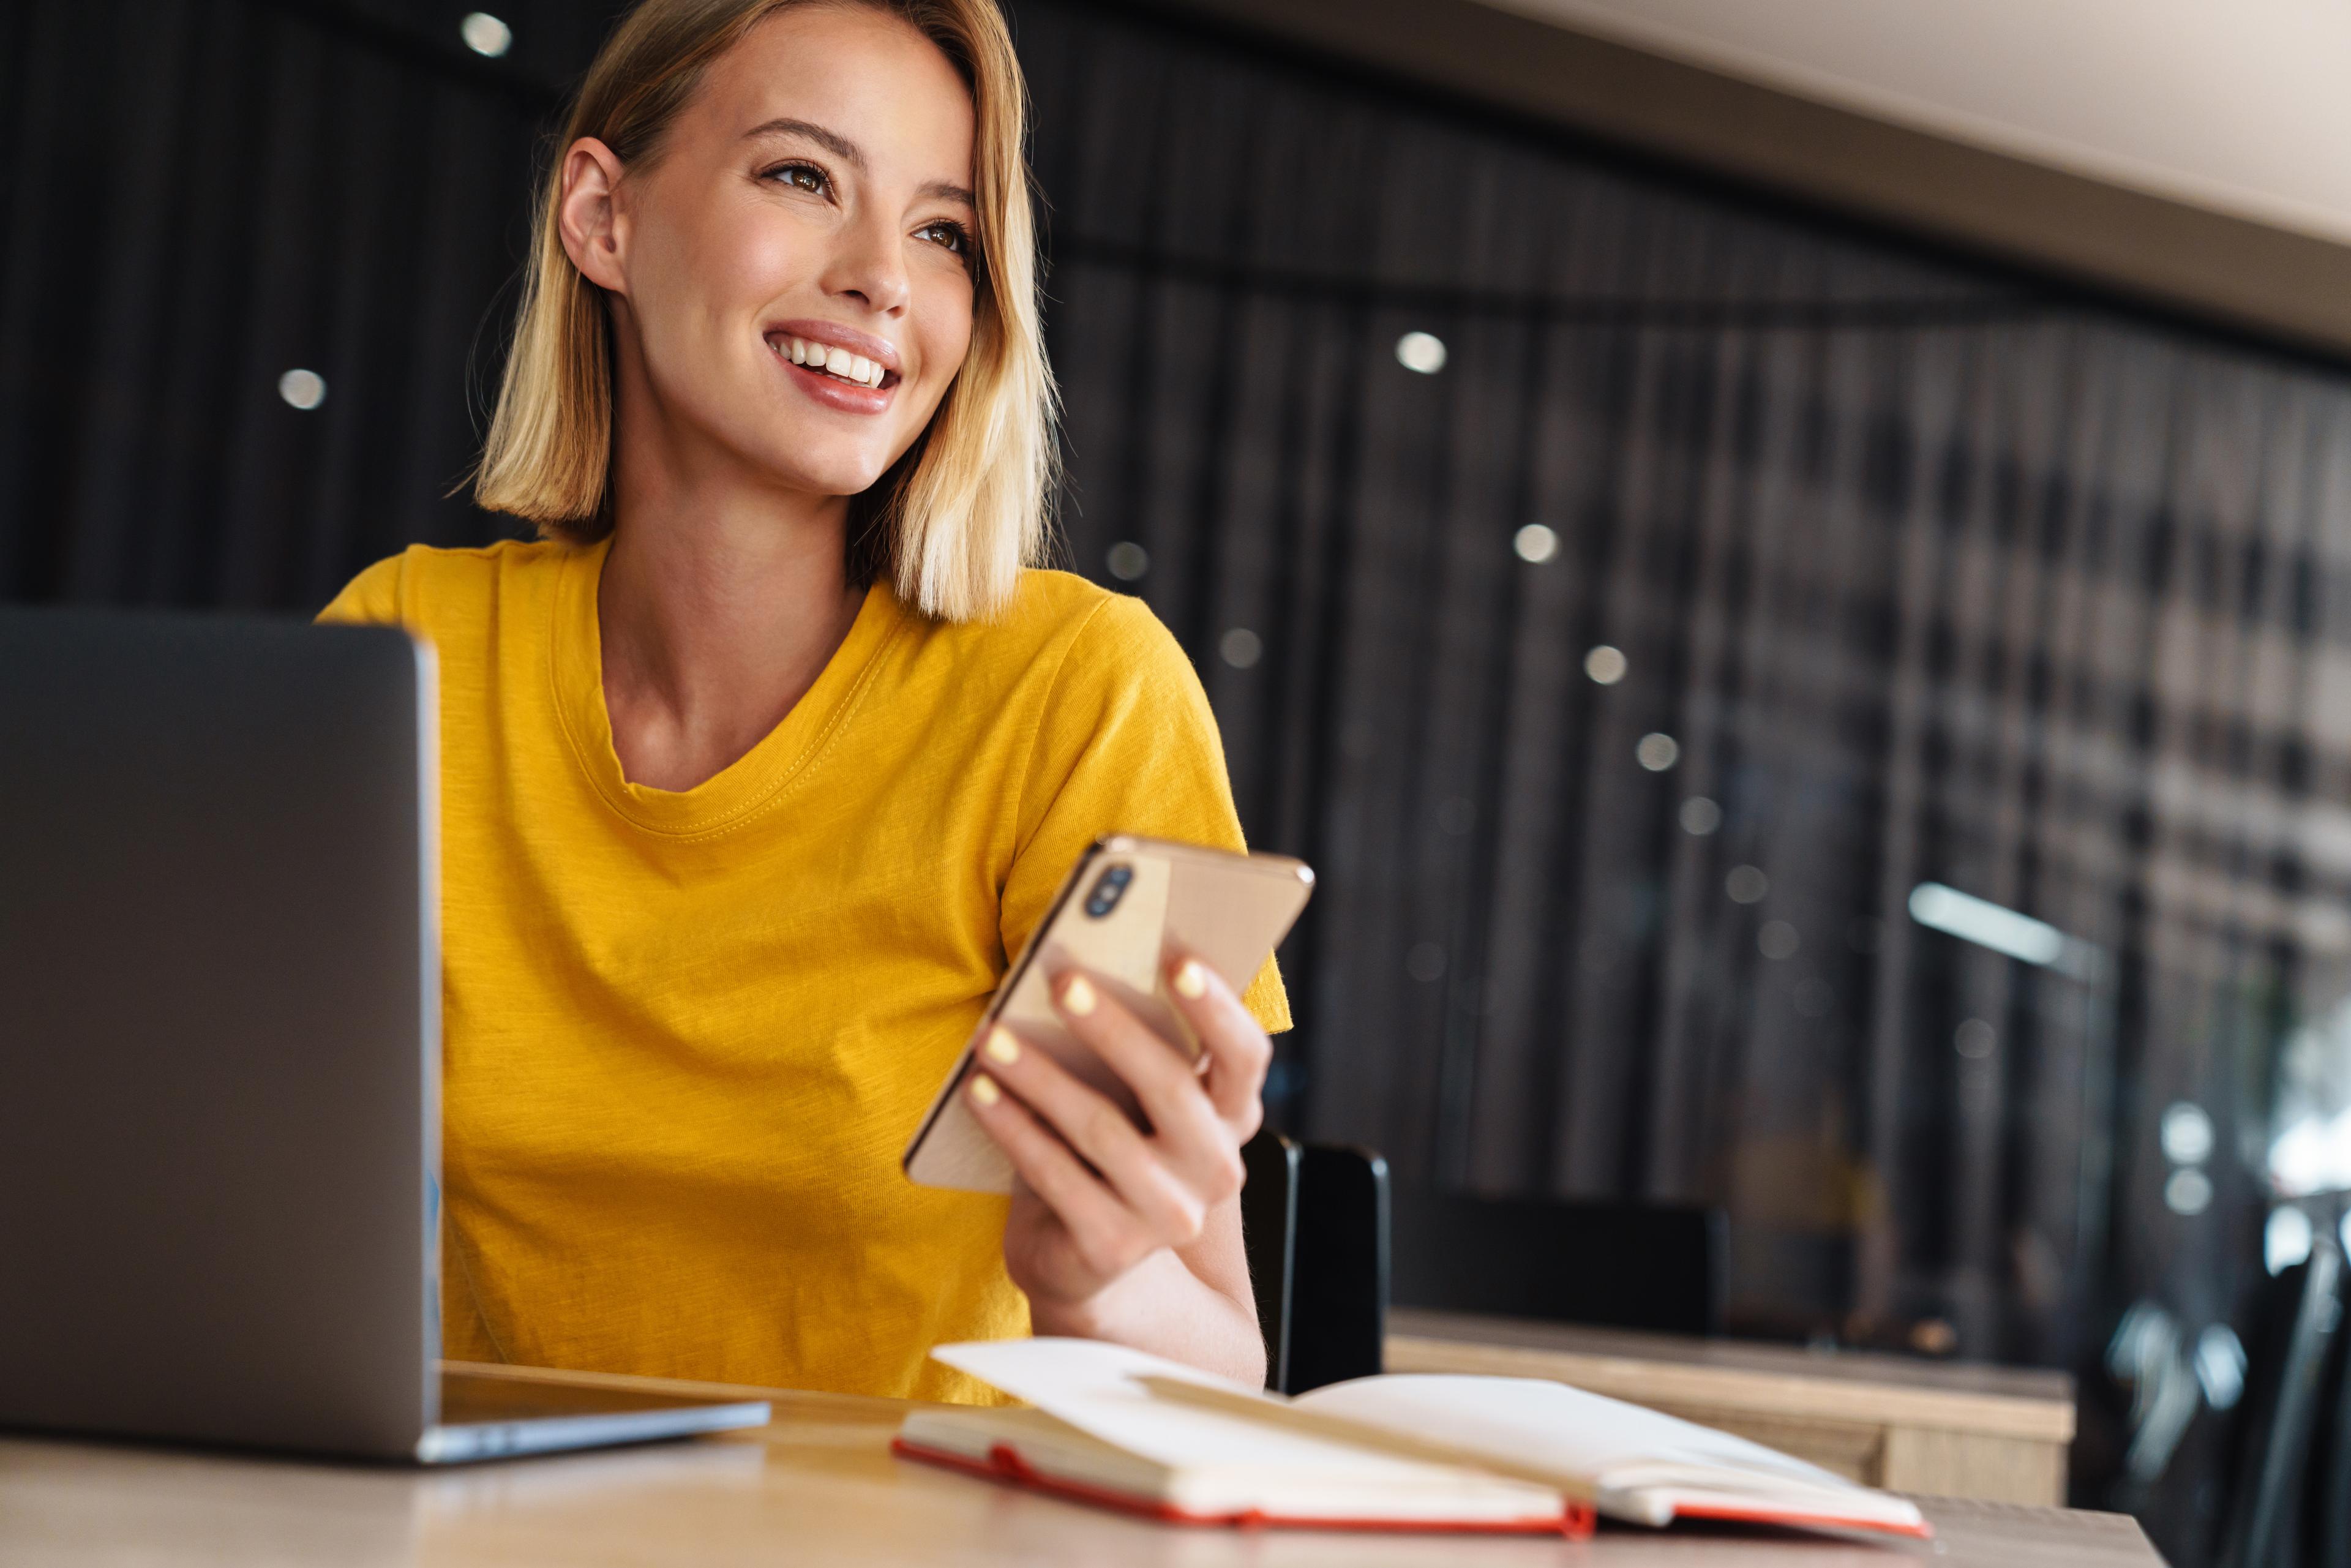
[1126, 906]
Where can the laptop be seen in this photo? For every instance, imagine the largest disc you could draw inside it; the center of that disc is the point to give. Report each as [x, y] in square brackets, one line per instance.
[220, 1047]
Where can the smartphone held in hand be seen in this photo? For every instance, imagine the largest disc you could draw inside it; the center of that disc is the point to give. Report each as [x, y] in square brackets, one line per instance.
[1126, 907]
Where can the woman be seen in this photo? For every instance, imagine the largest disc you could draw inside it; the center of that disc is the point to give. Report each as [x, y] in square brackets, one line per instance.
[763, 759]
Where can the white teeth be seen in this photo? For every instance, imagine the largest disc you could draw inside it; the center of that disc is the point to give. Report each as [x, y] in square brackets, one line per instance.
[834, 361]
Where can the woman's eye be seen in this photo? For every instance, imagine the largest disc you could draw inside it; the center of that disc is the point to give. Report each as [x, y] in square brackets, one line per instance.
[801, 176]
[946, 233]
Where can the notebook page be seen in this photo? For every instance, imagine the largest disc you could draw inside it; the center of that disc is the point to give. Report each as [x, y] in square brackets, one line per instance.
[1615, 1448]
[1099, 1389]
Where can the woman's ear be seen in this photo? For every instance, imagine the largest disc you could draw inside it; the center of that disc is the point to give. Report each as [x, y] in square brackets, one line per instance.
[588, 216]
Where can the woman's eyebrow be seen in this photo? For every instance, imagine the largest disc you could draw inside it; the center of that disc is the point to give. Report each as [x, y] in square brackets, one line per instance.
[833, 142]
[849, 152]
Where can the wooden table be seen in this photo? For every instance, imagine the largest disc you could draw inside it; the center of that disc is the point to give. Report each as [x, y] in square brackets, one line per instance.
[1991, 1433]
[818, 1486]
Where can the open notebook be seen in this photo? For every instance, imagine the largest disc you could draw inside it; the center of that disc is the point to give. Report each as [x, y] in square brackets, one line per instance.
[1118, 1427]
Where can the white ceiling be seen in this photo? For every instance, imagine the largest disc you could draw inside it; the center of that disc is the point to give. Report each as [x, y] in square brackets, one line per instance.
[2238, 106]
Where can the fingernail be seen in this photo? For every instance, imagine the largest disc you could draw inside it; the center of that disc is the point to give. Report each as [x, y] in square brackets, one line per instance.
[984, 1089]
[1191, 980]
[1002, 1046]
[1078, 997]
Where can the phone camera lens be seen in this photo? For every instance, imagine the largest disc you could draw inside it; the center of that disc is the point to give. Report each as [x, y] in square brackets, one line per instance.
[1108, 887]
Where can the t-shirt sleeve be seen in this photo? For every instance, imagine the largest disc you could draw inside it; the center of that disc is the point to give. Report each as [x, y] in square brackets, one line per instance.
[371, 599]
[1127, 744]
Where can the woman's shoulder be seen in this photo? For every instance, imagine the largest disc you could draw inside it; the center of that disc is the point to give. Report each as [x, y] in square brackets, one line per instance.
[1077, 661]
[1093, 664]
[427, 584]
[1078, 630]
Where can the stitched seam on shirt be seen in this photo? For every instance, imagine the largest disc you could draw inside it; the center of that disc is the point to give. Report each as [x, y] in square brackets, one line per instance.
[799, 769]
[562, 713]
[472, 1292]
[792, 770]
[1037, 736]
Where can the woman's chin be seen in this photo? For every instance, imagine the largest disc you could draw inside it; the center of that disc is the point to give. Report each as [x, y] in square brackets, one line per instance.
[798, 460]
[796, 474]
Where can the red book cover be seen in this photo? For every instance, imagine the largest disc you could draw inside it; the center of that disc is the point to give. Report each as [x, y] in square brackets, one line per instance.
[1575, 1520]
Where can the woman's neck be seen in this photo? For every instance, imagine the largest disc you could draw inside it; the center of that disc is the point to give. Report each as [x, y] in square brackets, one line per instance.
[718, 609]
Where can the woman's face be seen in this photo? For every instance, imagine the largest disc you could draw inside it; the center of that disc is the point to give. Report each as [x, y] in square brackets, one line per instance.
[795, 269]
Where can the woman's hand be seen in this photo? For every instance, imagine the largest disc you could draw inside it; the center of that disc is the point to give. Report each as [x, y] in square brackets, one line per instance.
[1099, 1197]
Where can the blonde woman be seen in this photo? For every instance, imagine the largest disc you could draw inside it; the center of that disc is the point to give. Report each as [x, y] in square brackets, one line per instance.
[761, 761]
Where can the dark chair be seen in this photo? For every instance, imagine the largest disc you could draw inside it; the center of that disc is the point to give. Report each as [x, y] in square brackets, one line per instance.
[1314, 1220]
[1339, 1290]
[2293, 1332]
[1269, 1232]
[1619, 1265]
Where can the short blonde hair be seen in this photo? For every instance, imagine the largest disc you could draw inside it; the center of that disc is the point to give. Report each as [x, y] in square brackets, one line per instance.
[954, 521]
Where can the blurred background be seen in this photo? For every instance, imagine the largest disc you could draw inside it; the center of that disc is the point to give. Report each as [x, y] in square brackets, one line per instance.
[1794, 580]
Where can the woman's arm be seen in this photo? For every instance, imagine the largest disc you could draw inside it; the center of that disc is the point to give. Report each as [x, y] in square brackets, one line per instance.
[1119, 1233]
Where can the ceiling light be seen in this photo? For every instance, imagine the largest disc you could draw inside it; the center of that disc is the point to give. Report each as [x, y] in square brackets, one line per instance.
[1421, 351]
[305, 390]
[485, 33]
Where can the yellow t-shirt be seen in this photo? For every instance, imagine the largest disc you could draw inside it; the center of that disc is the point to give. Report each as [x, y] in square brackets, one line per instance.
[688, 1034]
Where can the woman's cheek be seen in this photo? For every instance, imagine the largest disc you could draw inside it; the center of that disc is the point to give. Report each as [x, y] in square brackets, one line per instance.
[943, 352]
[760, 264]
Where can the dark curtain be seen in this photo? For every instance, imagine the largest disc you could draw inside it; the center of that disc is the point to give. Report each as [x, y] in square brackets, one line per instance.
[1930, 574]
[200, 195]
[1917, 571]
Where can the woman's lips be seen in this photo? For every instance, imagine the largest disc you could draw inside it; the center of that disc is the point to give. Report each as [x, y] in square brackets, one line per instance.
[832, 390]
[843, 362]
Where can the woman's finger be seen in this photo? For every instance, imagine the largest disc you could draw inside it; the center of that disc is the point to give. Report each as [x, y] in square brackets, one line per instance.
[1096, 1126]
[1107, 1235]
[1239, 1052]
[1184, 1121]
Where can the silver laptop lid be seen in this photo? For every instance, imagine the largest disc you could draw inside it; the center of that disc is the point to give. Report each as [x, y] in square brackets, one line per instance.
[219, 1031]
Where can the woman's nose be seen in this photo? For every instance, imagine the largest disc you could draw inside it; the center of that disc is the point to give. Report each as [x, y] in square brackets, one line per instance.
[869, 265]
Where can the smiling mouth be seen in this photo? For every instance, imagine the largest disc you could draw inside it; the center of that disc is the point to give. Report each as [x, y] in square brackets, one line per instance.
[829, 360]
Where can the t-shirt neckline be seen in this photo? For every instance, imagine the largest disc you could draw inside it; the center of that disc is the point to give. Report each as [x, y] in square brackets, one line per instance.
[753, 782]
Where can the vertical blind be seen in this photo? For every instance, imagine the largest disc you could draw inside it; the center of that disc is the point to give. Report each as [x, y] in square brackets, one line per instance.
[1925, 574]
[1733, 575]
